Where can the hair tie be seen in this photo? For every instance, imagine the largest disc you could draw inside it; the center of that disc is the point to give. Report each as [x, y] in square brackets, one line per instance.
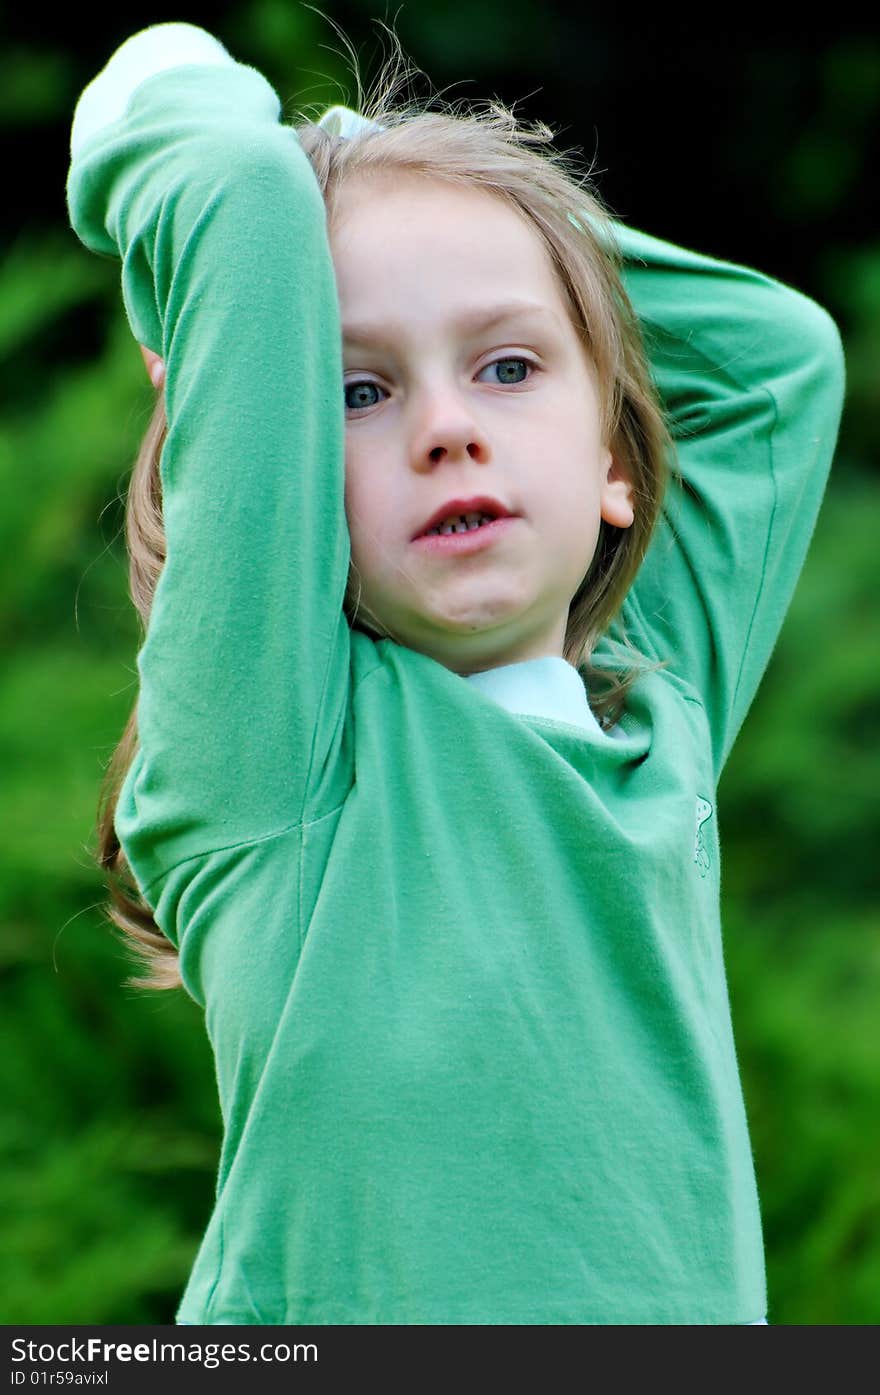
[342, 121]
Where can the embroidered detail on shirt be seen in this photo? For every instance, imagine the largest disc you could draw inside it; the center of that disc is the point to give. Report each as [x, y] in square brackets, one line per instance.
[701, 851]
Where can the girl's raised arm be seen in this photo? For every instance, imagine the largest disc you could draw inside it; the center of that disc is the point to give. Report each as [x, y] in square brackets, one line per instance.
[752, 374]
[181, 168]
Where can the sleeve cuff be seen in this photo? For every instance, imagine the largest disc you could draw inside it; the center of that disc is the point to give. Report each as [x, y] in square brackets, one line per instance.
[140, 57]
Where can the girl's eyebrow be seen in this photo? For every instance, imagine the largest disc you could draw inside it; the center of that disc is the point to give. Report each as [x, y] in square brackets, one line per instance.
[471, 322]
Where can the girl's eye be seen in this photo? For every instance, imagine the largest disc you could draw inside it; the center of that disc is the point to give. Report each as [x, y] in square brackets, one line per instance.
[360, 392]
[512, 371]
[504, 366]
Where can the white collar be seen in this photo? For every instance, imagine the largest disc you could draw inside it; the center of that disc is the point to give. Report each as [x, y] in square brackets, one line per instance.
[546, 687]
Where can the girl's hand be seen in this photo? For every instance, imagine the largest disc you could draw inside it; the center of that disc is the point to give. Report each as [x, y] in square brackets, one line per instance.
[155, 367]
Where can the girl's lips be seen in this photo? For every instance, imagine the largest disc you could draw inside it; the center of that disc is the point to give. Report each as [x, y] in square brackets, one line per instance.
[471, 541]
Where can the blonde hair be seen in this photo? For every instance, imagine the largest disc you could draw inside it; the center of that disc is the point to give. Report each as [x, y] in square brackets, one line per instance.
[488, 147]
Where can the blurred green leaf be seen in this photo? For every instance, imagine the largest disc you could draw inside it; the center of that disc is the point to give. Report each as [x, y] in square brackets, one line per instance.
[34, 84]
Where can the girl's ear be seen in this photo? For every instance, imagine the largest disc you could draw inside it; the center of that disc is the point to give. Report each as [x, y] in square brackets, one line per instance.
[617, 493]
[154, 365]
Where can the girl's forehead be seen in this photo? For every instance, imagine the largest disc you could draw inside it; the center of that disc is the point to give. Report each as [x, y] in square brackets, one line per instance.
[424, 224]
[426, 252]
[371, 193]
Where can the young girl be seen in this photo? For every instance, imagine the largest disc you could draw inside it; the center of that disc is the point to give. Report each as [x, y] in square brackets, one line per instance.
[427, 820]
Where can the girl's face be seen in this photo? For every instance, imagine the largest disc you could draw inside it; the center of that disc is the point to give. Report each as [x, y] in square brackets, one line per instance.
[440, 407]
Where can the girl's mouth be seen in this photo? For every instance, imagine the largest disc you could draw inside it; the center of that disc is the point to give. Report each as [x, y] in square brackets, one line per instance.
[474, 540]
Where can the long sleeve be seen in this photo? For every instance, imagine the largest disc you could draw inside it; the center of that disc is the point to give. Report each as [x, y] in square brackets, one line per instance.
[181, 169]
[752, 375]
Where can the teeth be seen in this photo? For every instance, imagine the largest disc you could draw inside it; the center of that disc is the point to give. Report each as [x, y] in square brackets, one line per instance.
[465, 523]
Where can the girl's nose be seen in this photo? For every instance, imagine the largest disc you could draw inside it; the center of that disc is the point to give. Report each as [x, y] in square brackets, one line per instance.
[448, 431]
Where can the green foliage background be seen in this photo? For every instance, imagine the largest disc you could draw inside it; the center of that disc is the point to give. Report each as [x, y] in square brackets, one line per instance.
[751, 147]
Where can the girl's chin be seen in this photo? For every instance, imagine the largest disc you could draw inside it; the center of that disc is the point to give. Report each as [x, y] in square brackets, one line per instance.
[440, 624]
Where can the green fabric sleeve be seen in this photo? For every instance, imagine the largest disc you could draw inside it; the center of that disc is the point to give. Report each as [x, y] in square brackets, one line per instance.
[752, 376]
[216, 215]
